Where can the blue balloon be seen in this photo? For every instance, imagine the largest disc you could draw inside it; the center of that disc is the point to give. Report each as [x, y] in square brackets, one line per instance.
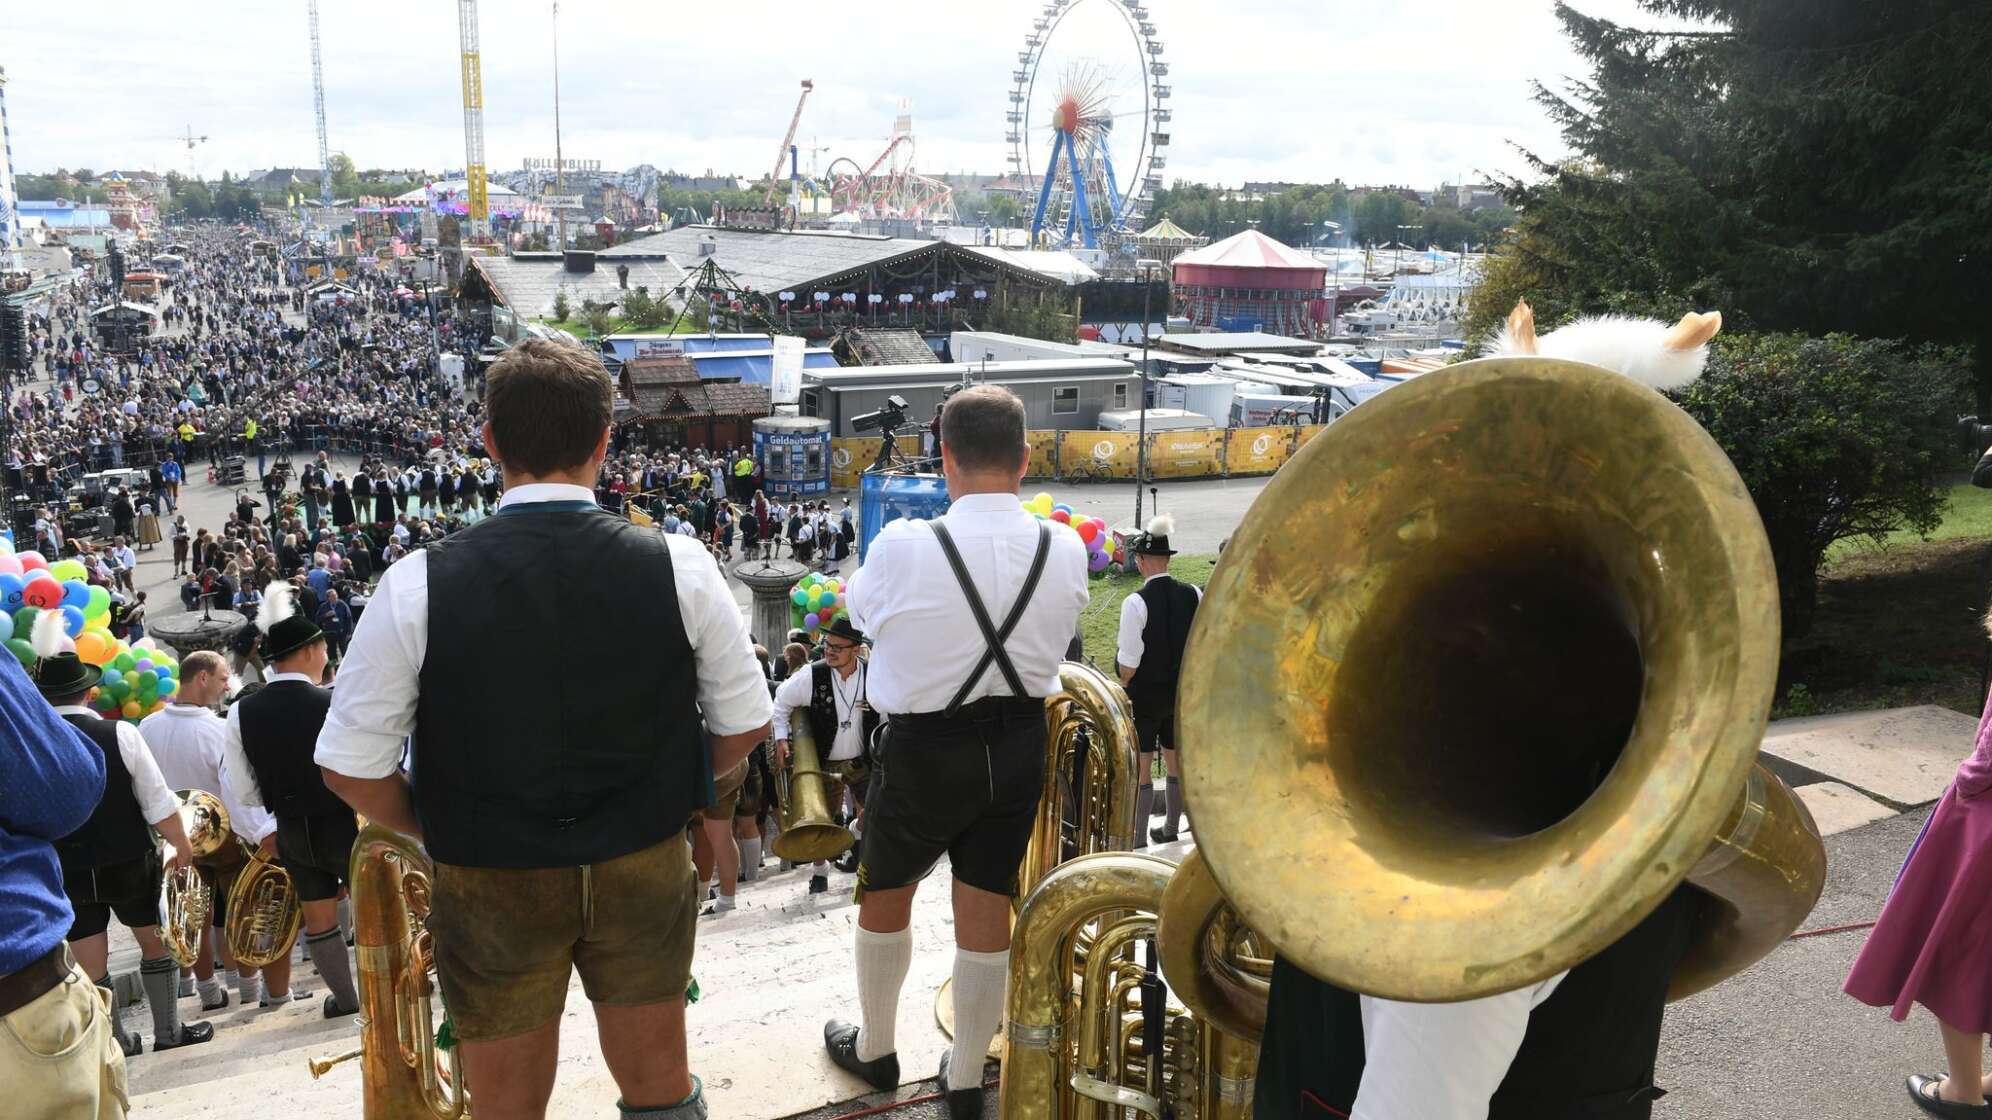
[163, 673]
[75, 593]
[6, 626]
[168, 687]
[72, 621]
[112, 676]
[10, 592]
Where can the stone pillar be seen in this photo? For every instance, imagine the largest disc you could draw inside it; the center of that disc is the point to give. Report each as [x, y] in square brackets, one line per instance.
[771, 581]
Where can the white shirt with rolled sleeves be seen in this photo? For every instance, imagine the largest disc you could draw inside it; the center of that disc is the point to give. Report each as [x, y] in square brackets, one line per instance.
[373, 709]
[155, 798]
[1134, 620]
[793, 694]
[1422, 1061]
[190, 745]
[924, 639]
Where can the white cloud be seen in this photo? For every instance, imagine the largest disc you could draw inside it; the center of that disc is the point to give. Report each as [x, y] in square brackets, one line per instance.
[1263, 89]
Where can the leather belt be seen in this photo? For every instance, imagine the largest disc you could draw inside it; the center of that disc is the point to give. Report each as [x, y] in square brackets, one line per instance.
[29, 983]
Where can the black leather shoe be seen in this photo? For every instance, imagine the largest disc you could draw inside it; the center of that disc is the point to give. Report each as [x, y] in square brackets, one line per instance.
[963, 1104]
[819, 884]
[847, 863]
[132, 1044]
[191, 1034]
[841, 1039]
[1923, 1090]
[218, 1004]
[1164, 835]
[333, 1010]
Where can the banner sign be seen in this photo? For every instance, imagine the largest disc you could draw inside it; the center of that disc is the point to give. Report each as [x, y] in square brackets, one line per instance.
[785, 375]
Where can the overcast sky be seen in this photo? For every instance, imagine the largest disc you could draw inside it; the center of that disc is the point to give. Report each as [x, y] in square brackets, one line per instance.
[1302, 90]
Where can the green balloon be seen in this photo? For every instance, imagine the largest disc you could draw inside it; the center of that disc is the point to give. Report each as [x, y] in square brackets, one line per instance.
[120, 688]
[123, 662]
[24, 622]
[99, 604]
[22, 651]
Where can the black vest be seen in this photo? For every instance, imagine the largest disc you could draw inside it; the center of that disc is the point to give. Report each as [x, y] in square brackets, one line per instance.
[592, 750]
[280, 724]
[117, 830]
[823, 711]
[1172, 606]
[1588, 1053]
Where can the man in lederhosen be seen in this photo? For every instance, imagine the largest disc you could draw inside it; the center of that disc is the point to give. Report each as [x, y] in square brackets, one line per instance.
[1154, 627]
[832, 697]
[267, 759]
[111, 865]
[960, 770]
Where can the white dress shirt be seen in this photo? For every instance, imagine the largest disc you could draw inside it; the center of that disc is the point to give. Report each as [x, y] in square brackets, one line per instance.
[848, 692]
[234, 760]
[373, 710]
[1422, 1061]
[924, 640]
[190, 745]
[1134, 619]
[155, 798]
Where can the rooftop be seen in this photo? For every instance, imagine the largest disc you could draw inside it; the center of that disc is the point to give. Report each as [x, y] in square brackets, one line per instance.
[804, 261]
[1249, 249]
[528, 282]
[1241, 343]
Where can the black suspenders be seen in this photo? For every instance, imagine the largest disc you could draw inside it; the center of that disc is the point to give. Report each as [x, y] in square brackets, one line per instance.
[992, 637]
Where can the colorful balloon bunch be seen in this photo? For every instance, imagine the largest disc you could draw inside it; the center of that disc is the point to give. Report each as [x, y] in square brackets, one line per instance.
[137, 681]
[1101, 547]
[817, 601]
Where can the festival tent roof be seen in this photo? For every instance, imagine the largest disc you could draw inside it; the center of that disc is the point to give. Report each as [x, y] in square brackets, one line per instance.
[1165, 230]
[1248, 249]
[454, 186]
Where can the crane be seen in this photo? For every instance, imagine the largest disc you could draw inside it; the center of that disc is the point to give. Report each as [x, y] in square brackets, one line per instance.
[473, 124]
[782, 152]
[318, 98]
[189, 139]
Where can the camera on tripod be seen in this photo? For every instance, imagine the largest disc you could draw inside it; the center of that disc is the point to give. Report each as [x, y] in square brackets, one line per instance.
[1973, 436]
[885, 419]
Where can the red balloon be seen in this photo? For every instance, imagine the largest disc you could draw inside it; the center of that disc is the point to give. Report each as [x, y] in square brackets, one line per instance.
[45, 594]
[1088, 531]
[32, 560]
[1062, 517]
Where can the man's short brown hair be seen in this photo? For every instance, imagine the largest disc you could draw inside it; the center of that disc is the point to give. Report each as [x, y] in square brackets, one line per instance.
[983, 428]
[547, 404]
[202, 661]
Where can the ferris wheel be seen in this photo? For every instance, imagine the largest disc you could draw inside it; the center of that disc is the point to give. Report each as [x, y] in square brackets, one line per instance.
[1089, 119]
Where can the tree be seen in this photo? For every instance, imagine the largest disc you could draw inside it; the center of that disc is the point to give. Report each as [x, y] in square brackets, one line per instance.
[1801, 167]
[561, 307]
[1835, 437]
[345, 179]
[1378, 215]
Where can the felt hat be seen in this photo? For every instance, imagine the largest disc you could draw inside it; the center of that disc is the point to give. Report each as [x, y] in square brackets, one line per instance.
[56, 673]
[841, 627]
[284, 630]
[1155, 542]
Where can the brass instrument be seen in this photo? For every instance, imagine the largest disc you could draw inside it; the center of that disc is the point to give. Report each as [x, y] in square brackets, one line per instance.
[1493, 657]
[264, 912]
[403, 1075]
[186, 901]
[810, 831]
[1077, 1050]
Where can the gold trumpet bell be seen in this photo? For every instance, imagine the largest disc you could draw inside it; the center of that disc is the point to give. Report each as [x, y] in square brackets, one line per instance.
[1492, 656]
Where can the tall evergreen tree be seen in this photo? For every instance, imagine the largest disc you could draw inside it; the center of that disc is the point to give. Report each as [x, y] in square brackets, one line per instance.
[1808, 165]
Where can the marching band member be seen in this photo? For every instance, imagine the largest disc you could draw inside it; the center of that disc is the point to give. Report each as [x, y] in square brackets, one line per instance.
[188, 739]
[832, 697]
[961, 767]
[111, 865]
[266, 757]
[1154, 628]
[556, 821]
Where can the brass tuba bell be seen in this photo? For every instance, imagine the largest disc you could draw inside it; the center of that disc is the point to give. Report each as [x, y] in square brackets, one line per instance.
[264, 912]
[186, 900]
[810, 831]
[1493, 656]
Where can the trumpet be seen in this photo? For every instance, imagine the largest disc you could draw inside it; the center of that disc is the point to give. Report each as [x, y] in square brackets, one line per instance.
[185, 899]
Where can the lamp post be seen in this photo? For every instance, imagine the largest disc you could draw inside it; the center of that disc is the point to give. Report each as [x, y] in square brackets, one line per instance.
[1141, 446]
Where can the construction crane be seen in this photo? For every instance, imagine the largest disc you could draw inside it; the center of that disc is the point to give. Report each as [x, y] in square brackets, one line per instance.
[473, 124]
[189, 139]
[318, 97]
[788, 140]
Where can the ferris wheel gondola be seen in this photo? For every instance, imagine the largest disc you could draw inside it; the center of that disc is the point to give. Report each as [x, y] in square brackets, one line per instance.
[1086, 87]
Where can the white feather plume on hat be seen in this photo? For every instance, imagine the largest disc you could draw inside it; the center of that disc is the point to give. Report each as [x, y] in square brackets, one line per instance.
[45, 638]
[1161, 525]
[279, 603]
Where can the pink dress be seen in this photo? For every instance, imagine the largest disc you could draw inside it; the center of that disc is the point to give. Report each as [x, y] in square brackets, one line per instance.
[1933, 942]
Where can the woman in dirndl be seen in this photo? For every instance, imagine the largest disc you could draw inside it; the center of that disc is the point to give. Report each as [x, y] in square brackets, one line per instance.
[1933, 942]
[148, 525]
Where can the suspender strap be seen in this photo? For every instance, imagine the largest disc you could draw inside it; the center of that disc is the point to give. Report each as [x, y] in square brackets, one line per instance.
[992, 637]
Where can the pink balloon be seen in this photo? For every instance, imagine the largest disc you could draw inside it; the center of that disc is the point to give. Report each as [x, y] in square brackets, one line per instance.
[31, 560]
[10, 564]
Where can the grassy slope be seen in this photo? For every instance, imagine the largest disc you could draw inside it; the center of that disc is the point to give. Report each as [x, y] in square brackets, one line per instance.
[1100, 624]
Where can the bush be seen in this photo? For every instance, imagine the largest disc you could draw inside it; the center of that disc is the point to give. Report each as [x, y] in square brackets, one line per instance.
[1835, 437]
[561, 307]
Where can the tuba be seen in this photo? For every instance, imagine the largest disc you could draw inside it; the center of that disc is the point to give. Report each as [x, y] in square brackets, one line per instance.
[810, 831]
[185, 899]
[403, 1075]
[1498, 648]
[264, 913]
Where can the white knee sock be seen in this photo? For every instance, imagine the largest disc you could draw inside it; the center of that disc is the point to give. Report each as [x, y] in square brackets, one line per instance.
[979, 983]
[750, 858]
[882, 962]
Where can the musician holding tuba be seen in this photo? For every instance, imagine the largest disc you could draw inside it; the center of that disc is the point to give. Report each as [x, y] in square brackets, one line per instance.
[111, 865]
[187, 740]
[831, 696]
[960, 770]
[554, 812]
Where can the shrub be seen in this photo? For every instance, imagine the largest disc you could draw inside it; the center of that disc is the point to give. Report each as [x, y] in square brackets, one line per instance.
[561, 307]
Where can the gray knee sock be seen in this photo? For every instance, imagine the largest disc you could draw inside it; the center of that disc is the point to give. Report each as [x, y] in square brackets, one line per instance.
[248, 989]
[1175, 802]
[346, 918]
[691, 1108]
[1143, 798]
[750, 858]
[161, 980]
[328, 956]
[117, 1011]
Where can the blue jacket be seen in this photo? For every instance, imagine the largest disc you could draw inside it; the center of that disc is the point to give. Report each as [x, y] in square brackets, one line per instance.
[50, 781]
